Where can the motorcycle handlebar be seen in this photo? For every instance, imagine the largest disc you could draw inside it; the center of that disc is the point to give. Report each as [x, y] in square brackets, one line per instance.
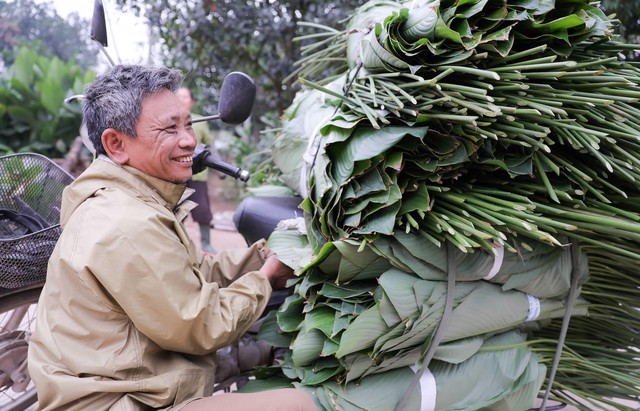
[202, 159]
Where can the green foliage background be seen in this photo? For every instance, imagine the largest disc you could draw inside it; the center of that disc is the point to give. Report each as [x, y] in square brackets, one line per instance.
[33, 115]
[38, 26]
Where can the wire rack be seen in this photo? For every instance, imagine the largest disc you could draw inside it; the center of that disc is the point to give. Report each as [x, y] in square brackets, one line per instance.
[31, 188]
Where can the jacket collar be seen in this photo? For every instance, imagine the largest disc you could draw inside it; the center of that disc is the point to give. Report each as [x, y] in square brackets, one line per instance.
[168, 194]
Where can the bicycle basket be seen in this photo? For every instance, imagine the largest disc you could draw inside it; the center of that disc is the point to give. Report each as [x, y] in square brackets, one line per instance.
[31, 188]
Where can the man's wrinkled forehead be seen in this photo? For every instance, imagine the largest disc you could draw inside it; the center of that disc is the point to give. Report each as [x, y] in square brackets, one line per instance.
[163, 106]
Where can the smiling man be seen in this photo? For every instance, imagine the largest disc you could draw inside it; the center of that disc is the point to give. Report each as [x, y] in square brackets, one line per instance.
[131, 313]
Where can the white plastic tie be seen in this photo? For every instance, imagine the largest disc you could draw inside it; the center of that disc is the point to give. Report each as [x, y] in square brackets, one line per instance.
[427, 390]
[497, 261]
[534, 307]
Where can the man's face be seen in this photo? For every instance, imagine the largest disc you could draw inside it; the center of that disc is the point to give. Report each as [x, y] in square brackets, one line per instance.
[165, 141]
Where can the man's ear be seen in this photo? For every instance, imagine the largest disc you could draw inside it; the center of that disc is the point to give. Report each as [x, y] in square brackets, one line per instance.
[114, 143]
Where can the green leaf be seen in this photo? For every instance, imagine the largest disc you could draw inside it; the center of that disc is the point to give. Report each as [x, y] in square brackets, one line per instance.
[320, 318]
[362, 333]
[421, 23]
[312, 377]
[376, 392]
[307, 346]
[340, 323]
[346, 292]
[415, 200]
[291, 248]
[365, 144]
[382, 221]
[558, 25]
[21, 114]
[259, 385]
[398, 286]
[469, 8]
[22, 70]
[377, 58]
[455, 352]
[481, 381]
[271, 333]
[290, 315]
[444, 32]
[358, 264]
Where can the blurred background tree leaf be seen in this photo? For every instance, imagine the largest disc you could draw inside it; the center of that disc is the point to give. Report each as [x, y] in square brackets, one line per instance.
[36, 24]
[33, 115]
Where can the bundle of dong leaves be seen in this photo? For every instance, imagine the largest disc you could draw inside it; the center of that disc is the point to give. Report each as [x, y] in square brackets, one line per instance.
[470, 174]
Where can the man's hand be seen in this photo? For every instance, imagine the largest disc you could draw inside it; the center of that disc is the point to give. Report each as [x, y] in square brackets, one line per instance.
[276, 272]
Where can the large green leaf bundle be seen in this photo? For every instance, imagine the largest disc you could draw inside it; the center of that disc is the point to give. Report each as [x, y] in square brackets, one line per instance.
[475, 136]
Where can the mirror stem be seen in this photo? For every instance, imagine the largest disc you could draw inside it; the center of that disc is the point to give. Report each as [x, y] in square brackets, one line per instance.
[104, 51]
[207, 118]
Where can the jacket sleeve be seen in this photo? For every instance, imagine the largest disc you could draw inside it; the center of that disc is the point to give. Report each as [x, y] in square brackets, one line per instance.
[229, 265]
[148, 275]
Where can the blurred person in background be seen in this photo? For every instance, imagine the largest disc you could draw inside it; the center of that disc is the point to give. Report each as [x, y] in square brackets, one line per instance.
[202, 213]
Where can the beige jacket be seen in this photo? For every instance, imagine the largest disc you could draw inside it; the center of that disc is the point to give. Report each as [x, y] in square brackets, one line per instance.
[131, 314]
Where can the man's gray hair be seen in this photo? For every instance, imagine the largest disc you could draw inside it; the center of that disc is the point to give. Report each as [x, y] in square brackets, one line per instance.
[114, 99]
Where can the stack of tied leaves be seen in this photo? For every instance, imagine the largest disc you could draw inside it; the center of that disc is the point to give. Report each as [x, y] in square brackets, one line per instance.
[471, 236]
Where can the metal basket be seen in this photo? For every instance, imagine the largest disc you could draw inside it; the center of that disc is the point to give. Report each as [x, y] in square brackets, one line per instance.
[31, 188]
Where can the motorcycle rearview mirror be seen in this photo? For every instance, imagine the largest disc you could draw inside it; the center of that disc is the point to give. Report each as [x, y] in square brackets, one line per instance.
[237, 94]
[236, 102]
[99, 35]
[99, 28]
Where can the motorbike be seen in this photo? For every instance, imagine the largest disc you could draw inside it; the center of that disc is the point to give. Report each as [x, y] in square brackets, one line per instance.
[30, 192]
[255, 218]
